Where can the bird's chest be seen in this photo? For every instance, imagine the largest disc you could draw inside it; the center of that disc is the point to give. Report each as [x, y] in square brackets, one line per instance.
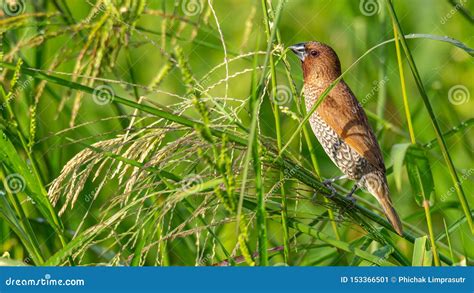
[311, 94]
[343, 156]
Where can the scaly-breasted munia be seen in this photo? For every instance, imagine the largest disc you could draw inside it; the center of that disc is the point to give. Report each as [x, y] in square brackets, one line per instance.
[341, 126]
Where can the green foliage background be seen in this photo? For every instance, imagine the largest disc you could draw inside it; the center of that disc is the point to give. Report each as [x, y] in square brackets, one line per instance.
[159, 189]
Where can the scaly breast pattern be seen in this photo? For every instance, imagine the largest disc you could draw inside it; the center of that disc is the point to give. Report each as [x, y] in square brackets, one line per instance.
[346, 159]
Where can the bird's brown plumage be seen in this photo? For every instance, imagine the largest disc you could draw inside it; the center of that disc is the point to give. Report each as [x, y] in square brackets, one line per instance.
[346, 117]
[341, 125]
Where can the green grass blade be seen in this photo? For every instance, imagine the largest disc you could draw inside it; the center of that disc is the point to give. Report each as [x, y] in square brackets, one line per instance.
[397, 154]
[449, 241]
[421, 256]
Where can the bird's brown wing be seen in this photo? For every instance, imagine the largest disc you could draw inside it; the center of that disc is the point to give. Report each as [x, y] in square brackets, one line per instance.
[345, 115]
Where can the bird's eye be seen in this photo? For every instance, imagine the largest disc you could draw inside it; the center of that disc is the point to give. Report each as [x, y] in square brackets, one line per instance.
[314, 53]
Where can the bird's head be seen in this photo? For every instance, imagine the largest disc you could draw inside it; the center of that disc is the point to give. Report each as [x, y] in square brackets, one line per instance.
[319, 61]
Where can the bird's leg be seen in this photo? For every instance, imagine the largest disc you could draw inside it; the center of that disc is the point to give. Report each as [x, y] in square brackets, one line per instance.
[328, 183]
[350, 195]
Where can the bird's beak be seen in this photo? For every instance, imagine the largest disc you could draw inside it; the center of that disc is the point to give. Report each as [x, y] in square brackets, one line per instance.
[299, 50]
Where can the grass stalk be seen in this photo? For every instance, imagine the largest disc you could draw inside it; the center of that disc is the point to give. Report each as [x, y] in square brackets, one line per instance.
[402, 84]
[22, 223]
[382, 72]
[426, 204]
[152, 170]
[276, 115]
[449, 240]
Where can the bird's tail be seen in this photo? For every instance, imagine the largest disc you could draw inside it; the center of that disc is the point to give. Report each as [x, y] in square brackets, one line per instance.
[376, 184]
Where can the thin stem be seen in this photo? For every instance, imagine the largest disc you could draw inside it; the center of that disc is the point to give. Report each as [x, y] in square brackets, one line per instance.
[402, 83]
[449, 240]
[426, 206]
[276, 115]
[382, 73]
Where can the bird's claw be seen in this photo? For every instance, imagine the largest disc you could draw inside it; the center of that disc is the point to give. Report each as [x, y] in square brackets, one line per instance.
[351, 197]
[328, 184]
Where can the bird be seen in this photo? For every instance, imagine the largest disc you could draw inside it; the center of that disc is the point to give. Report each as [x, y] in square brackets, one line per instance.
[342, 128]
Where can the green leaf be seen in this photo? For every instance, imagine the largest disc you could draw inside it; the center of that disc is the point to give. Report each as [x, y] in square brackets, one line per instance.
[8, 214]
[398, 157]
[22, 178]
[421, 256]
[25, 179]
[419, 174]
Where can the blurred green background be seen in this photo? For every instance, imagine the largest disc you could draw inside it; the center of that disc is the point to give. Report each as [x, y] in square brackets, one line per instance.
[127, 45]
